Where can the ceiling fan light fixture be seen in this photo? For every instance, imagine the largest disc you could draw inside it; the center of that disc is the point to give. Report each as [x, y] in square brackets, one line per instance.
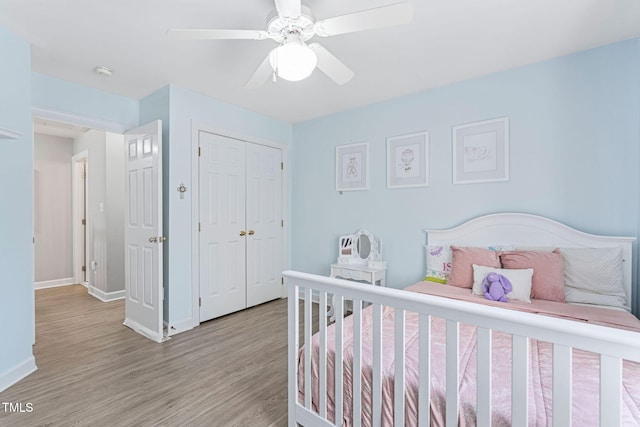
[293, 60]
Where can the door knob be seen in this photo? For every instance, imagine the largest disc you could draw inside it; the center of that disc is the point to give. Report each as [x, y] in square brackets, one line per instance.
[242, 233]
[251, 232]
[153, 240]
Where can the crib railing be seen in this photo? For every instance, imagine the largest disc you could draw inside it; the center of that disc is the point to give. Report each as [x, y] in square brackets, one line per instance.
[613, 346]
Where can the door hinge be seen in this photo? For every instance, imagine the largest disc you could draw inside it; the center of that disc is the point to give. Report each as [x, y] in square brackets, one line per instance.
[199, 227]
[282, 280]
[84, 268]
[84, 222]
[199, 301]
[281, 166]
[199, 151]
[282, 223]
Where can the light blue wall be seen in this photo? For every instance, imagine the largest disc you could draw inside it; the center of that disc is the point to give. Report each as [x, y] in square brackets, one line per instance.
[16, 206]
[62, 96]
[574, 138]
[186, 108]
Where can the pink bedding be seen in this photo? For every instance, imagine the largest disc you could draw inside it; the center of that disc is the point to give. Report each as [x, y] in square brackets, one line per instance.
[585, 367]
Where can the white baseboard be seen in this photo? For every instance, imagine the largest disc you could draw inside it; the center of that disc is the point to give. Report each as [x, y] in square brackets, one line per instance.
[177, 327]
[105, 296]
[144, 331]
[54, 283]
[15, 374]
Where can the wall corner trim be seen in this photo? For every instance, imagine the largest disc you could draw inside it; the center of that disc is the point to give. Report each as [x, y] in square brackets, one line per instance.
[17, 373]
[105, 296]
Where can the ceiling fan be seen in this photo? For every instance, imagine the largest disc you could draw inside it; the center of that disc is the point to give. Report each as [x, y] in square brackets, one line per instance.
[291, 25]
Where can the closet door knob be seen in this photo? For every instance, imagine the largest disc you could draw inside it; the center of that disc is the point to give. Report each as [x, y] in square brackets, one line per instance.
[242, 233]
[251, 232]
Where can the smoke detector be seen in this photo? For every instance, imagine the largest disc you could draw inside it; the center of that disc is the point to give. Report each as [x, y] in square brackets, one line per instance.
[103, 71]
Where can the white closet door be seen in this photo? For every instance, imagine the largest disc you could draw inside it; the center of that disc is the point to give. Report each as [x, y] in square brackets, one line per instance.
[264, 224]
[222, 221]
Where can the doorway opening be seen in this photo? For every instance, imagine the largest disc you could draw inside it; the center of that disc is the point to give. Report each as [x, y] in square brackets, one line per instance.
[78, 208]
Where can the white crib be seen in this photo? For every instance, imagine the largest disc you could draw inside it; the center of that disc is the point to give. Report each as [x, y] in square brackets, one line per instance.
[611, 344]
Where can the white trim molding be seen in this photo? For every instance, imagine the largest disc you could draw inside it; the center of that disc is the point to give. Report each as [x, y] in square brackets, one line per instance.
[54, 283]
[45, 113]
[17, 373]
[105, 296]
[178, 327]
[143, 330]
[9, 133]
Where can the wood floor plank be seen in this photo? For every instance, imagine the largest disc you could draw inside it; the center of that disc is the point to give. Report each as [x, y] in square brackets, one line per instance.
[93, 371]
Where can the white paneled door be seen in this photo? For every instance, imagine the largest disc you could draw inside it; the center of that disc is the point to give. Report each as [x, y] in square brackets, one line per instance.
[222, 226]
[264, 224]
[240, 238]
[143, 230]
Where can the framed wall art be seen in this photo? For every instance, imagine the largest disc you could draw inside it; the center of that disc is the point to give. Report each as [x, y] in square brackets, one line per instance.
[408, 160]
[352, 168]
[481, 151]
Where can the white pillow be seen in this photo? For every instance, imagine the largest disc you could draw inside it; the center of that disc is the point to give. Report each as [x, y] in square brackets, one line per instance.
[520, 280]
[594, 276]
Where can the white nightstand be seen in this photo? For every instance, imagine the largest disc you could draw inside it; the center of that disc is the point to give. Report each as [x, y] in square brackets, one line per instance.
[357, 272]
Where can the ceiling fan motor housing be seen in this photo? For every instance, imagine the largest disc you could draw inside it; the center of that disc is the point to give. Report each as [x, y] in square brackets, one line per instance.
[282, 27]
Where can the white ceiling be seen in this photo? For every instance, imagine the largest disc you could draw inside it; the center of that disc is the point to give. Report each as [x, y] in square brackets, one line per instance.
[448, 41]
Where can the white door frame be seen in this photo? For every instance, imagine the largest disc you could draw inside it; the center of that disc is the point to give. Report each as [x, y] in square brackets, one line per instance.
[197, 127]
[78, 212]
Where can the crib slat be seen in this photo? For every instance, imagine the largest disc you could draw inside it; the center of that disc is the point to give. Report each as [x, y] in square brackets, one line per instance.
[561, 406]
[520, 381]
[452, 365]
[424, 371]
[339, 357]
[376, 387]
[293, 345]
[483, 399]
[357, 362]
[610, 391]
[322, 361]
[307, 347]
[398, 388]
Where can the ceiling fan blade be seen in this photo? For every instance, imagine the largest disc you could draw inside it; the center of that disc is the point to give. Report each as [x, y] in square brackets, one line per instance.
[261, 75]
[288, 8]
[180, 34]
[380, 17]
[331, 66]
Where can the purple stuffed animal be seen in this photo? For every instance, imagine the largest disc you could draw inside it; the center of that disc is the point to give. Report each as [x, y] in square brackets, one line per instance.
[496, 287]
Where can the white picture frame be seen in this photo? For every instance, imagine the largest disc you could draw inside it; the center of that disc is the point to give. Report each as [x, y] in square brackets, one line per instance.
[481, 151]
[352, 167]
[408, 160]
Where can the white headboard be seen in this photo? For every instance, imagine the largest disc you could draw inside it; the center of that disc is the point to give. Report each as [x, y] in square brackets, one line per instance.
[520, 229]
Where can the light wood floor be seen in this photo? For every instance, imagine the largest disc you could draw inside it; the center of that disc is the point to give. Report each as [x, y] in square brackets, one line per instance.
[94, 371]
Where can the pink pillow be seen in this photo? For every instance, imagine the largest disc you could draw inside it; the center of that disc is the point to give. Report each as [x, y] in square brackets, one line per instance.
[548, 272]
[462, 262]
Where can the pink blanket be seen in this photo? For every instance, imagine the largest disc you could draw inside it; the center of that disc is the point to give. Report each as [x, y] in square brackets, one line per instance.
[585, 368]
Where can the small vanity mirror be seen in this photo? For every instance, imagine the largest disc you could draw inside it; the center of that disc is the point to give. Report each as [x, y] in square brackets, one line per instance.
[362, 248]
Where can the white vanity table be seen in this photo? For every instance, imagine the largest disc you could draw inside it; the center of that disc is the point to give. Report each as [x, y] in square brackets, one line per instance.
[360, 259]
[359, 272]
